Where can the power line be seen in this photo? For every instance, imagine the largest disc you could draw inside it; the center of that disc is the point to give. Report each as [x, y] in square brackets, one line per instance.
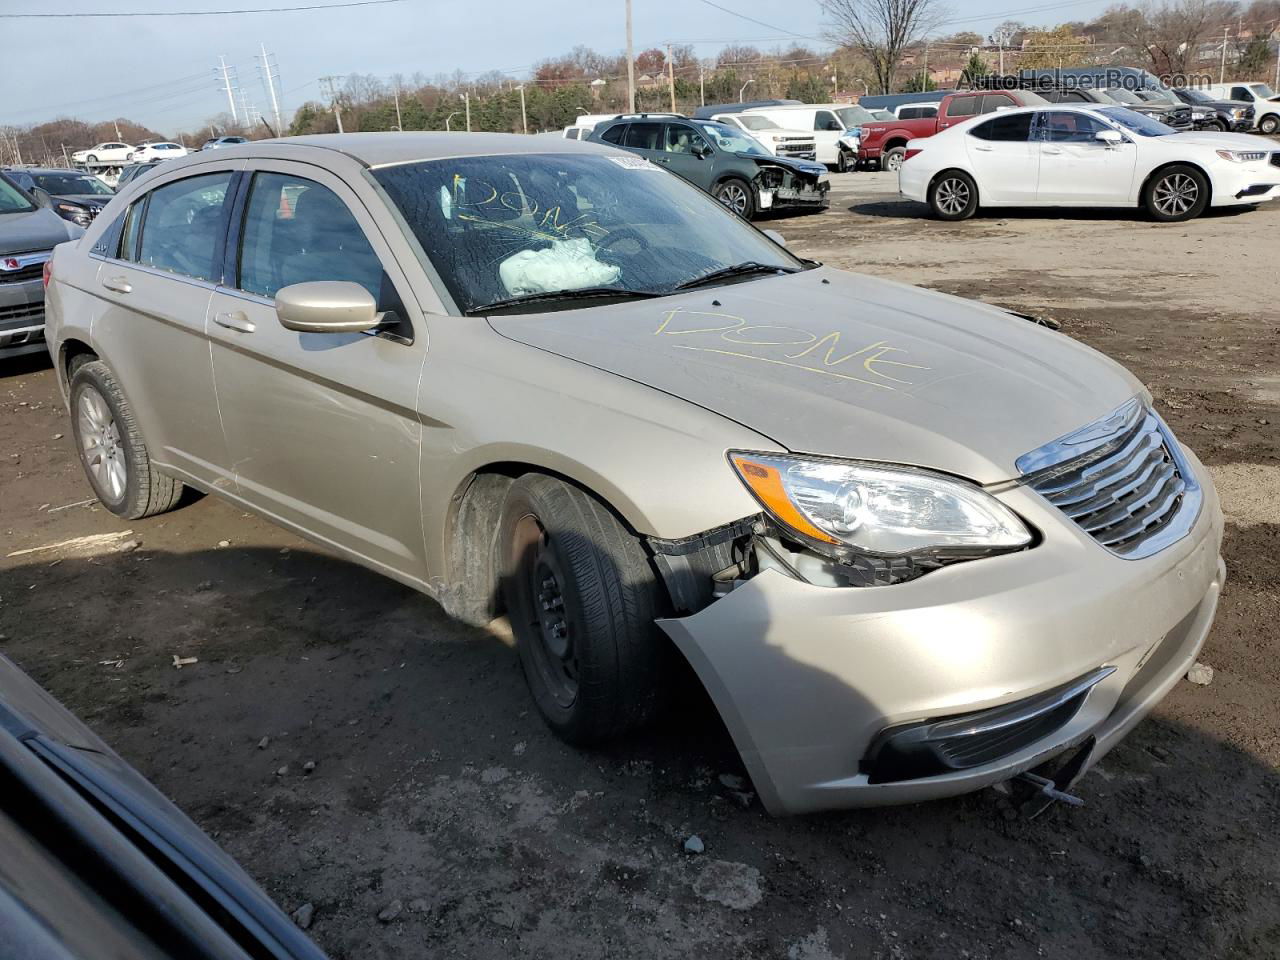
[194, 13]
[759, 23]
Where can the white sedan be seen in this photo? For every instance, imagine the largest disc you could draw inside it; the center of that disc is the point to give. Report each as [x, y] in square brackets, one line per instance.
[104, 154]
[1086, 156]
[157, 151]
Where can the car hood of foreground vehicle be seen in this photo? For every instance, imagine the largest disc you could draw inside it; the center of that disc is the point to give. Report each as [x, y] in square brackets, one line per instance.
[1222, 141]
[37, 229]
[836, 364]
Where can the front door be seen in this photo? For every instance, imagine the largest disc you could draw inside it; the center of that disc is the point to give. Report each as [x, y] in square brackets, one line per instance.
[688, 154]
[1076, 167]
[1003, 161]
[155, 286]
[321, 427]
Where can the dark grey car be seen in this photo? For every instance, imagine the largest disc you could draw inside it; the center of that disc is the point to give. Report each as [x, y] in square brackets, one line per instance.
[28, 233]
[726, 163]
[72, 194]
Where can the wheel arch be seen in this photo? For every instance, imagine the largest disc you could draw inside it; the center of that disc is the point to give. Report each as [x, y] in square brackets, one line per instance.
[1151, 175]
[69, 353]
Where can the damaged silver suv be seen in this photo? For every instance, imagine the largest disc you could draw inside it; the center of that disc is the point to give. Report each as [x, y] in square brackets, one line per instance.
[912, 545]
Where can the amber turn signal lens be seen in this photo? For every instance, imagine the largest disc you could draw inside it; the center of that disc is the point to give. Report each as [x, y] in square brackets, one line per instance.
[765, 482]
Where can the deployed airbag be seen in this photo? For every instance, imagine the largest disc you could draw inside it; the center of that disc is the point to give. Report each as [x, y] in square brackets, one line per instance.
[565, 265]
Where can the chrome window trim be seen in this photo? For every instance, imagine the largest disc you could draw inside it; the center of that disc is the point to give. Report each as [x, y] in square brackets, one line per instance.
[1079, 443]
[155, 271]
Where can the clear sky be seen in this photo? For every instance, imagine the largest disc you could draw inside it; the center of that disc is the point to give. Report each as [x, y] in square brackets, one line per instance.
[162, 70]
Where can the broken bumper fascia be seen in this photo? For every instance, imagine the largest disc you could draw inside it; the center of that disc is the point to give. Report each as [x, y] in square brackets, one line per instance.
[805, 677]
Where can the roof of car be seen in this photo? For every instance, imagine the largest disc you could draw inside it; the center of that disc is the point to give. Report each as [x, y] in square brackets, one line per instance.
[44, 170]
[383, 149]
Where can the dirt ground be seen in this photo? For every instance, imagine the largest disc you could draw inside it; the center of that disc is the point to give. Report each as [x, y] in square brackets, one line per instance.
[442, 819]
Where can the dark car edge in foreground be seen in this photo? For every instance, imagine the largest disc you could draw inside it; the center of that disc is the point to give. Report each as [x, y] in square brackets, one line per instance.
[96, 863]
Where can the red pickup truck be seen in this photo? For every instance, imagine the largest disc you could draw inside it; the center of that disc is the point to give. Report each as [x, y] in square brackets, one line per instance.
[885, 141]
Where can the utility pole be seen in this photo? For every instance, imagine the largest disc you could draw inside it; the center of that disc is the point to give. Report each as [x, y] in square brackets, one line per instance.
[924, 74]
[835, 79]
[671, 79]
[1222, 70]
[1002, 39]
[524, 117]
[631, 66]
[399, 122]
[702, 86]
[466, 98]
[329, 87]
[226, 85]
[66, 161]
[271, 85]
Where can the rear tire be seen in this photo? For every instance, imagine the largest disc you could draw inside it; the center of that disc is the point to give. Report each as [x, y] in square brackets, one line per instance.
[582, 599]
[111, 448]
[92, 158]
[736, 195]
[1176, 193]
[892, 159]
[953, 195]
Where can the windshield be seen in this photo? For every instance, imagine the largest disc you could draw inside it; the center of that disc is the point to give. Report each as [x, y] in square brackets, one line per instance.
[65, 184]
[734, 141]
[510, 226]
[757, 123]
[1195, 96]
[1263, 91]
[1122, 95]
[1158, 96]
[1138, 123]
[12, 200]
[853, 116]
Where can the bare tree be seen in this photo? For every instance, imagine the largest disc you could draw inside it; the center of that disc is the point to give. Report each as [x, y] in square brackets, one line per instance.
[881, 30]
[1170, 33]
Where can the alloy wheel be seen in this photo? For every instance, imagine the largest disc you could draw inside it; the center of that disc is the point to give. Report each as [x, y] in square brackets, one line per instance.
[734, 197]
[100, 442]
[893, 162]
[952, 196]
[1174, 195]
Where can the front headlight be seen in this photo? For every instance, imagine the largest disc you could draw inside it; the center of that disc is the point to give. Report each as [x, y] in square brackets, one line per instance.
[840, 507]
[1238, 113]
[1242, 156]
[74, 213]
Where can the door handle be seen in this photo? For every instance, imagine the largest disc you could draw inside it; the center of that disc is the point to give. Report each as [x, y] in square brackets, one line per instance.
[236, 320]
[983, 149]
[118, 284]
[1053, 151]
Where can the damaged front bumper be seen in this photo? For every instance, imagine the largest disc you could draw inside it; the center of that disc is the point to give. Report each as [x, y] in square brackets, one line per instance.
[845, 697]
[781, 189]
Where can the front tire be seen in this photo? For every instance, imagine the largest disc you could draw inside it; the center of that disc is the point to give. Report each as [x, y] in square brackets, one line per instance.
[1269, 124]
[843, 165]
[1176, 193]
[111, 448]
[92, 158]
[736, 195]
[953, 195]
[582, 599]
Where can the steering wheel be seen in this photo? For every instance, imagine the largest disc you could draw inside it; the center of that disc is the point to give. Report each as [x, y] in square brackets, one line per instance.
[624, 234]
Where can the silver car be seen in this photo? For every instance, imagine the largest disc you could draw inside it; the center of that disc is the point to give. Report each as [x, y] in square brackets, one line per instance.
[912, 545]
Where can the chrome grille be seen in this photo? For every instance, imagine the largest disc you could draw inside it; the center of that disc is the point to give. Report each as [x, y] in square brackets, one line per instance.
[1123, 480]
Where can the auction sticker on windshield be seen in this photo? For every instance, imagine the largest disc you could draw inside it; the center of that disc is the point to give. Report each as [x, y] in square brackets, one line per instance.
[634, 163]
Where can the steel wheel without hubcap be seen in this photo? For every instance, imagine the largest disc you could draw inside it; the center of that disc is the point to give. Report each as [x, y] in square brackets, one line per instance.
[733, 196]
[102, 448]
[555, 655]
[952, 196]
[1175, 194]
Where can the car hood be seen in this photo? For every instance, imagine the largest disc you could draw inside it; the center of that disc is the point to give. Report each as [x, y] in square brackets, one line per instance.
[1222, 141]
[35, 230]
[842, 365]
[86, 199]
[807, 167]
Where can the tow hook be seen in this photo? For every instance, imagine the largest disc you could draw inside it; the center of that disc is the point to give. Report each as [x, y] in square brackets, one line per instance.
[1045, 790]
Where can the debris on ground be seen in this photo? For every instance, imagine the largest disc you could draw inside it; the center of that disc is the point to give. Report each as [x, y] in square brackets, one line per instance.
[302, 916]
[734, 885]
[391, 911]
[309, 766]
[694, 845]
[180, 662]
[1200, 673]
[263, 743]
[85, 546]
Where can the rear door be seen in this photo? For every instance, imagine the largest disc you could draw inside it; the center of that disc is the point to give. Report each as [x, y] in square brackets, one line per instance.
[155, 287]
[321, 427]
[1076, 167]
[1002, 158]
[958, 109]
[645, 137]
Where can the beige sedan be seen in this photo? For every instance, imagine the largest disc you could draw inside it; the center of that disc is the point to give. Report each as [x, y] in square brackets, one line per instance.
[912, 545]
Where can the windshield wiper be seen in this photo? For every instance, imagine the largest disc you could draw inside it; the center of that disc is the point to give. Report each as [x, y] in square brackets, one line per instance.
[583, 293]
[747, 268]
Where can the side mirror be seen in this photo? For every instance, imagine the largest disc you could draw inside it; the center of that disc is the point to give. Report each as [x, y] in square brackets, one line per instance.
[326, 306]
[700, 150]
[1111, 138]
[42, 198]
[776, 237]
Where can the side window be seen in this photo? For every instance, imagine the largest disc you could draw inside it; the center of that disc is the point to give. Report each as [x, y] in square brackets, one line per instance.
[295, 231]
[644, 136]
[132, 227]
[183, 225]
[1062, 127]
[614, 133]
[963, 107]
[1007, 127]
[682, 139]
[992, 102]
[826, 120]
[1241, 93]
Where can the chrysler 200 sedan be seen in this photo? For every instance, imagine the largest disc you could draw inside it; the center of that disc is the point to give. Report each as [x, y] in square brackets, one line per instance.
[911, 545]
